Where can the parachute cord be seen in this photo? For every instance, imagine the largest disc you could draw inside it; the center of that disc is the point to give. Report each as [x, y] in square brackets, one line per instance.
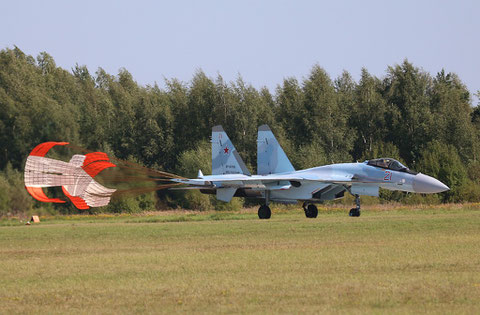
[131, 165]
[143, 190]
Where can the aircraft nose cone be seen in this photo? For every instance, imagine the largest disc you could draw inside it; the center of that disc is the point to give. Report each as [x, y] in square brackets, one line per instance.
[428, 185]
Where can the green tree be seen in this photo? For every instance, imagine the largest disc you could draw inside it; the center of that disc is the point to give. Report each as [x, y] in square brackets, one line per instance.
[325, 122]
[95, 109]
[290, 111]
[345, 88]
[368, 116]
[247, 107]
[409, 118]
[5, 200]
[452, 115]
[189, 163]
[443, 162]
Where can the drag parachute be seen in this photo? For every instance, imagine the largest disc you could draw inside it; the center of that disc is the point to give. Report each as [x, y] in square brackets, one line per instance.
[76, 177]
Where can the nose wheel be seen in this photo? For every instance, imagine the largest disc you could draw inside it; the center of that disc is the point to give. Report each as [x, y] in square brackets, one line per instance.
[355, 212]
[311, 211]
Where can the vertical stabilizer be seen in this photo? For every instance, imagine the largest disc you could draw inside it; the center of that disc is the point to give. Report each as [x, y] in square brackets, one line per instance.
[271, 158]
[225, 158]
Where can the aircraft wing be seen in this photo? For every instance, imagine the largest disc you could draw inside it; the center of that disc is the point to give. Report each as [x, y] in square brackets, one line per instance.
[340, 179]
[239, 180]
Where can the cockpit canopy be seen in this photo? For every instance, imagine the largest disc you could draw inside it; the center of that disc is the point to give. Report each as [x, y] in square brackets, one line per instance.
[390, 164]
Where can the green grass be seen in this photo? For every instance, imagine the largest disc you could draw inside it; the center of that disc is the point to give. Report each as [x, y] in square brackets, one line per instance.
[397, 261]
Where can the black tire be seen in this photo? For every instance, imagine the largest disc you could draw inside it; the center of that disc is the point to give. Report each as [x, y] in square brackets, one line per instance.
[264, 212]
[311, 211]
[354, 212]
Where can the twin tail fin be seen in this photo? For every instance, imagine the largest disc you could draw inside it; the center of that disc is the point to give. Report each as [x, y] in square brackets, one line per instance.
[271, 158]
[225, 158]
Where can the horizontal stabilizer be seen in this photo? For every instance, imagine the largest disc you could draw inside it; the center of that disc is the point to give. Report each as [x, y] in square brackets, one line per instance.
[225, 194]
[187, 188]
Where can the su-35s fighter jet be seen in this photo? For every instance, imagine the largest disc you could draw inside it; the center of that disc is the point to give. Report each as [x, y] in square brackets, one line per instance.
[278, 181]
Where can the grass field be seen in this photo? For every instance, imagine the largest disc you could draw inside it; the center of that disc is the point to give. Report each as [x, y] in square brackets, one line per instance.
[396, 261]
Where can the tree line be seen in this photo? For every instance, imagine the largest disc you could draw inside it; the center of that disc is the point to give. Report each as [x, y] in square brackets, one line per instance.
[425, 121]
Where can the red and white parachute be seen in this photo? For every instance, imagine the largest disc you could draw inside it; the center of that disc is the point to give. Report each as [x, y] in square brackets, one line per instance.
[76, 177]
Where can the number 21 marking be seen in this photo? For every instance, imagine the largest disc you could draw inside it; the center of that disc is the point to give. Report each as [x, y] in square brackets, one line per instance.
[388, 176]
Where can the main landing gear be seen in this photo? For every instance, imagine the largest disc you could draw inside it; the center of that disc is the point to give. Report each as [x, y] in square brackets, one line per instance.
[264, 211]
[311, 211]
[355, 212]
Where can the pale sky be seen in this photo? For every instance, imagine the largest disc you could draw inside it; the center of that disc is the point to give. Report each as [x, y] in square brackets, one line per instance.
[264, 41]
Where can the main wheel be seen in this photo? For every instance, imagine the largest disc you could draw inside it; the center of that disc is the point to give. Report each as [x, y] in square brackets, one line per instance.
[264, 212]
[311, 211]
[354, 212]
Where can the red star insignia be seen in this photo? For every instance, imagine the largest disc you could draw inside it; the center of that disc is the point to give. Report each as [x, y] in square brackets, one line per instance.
[225, 150]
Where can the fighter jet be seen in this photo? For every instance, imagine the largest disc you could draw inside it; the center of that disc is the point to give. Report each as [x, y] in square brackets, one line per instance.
[278, 181]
